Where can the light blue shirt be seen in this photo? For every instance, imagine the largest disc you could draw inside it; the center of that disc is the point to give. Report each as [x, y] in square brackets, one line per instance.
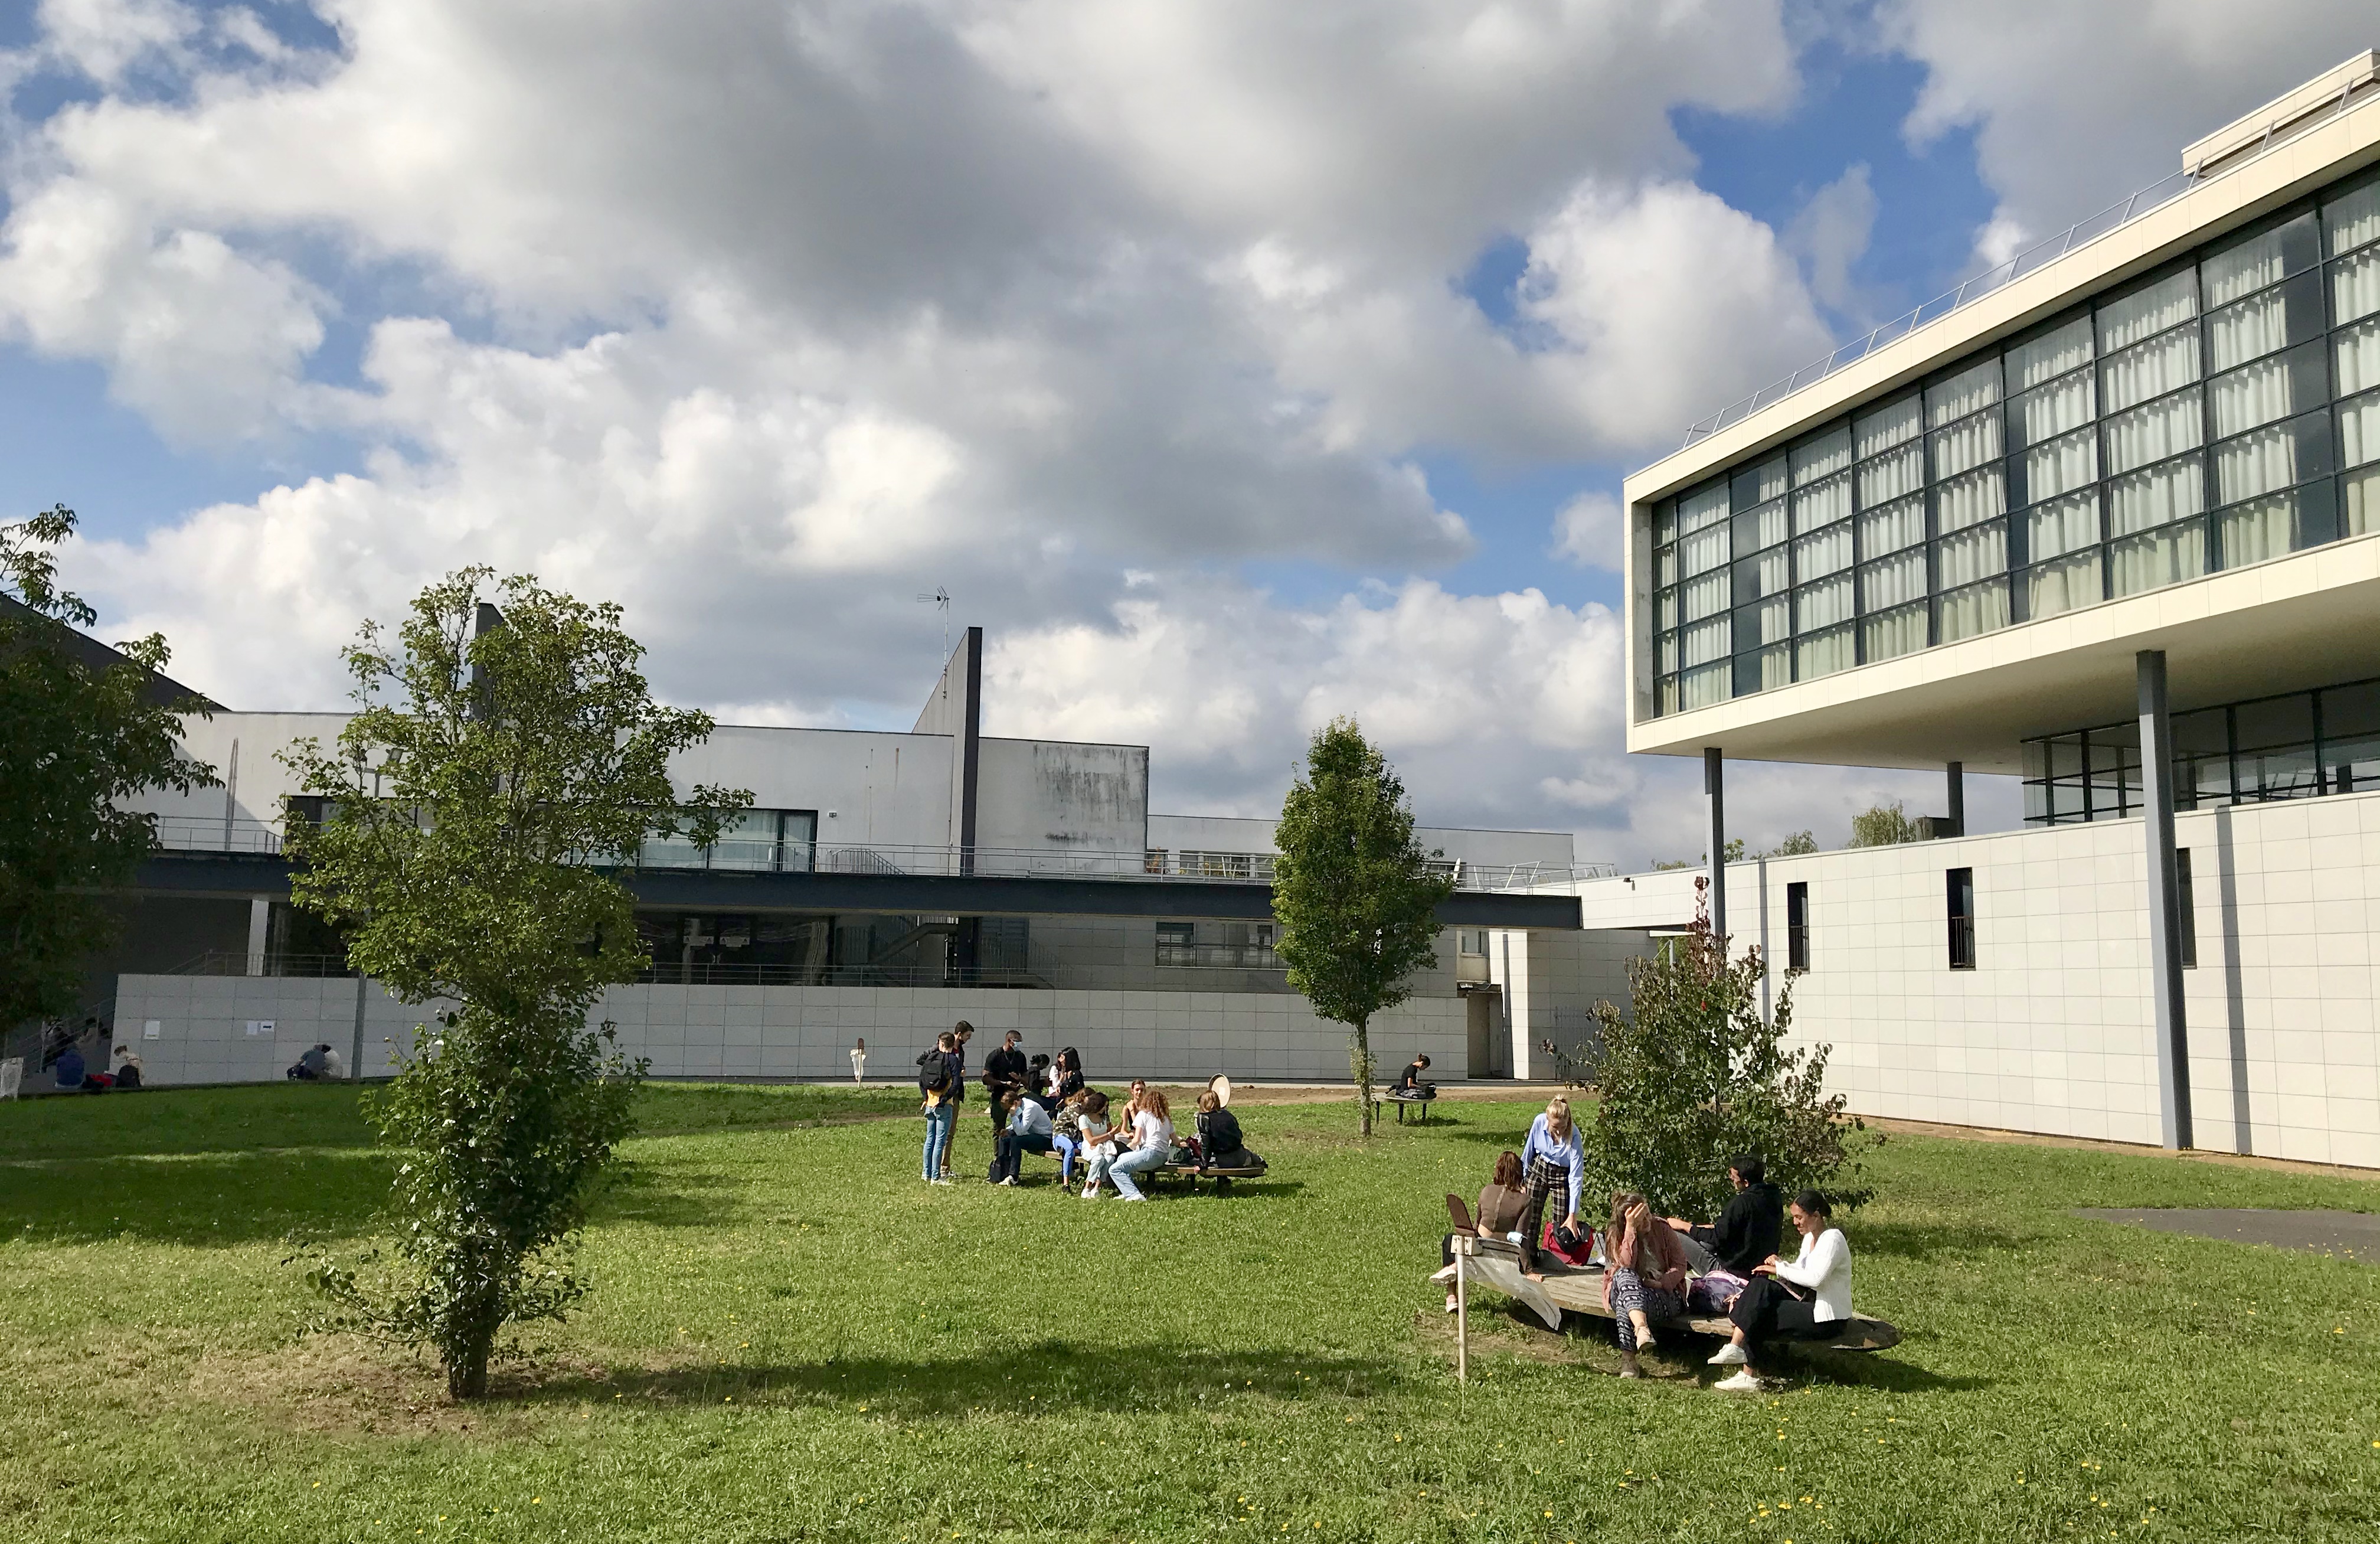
[1571, 1155]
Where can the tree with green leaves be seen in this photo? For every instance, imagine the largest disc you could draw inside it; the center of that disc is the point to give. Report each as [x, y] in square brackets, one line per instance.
[1355, 895]
[82, 731]
[1696, 1074]
[1882, 825]
[473, 807]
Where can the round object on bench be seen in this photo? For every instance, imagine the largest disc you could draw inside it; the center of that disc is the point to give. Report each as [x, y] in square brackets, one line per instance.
[1220, 1086]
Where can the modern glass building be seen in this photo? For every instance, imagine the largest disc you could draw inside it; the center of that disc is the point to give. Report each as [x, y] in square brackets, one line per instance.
[2219, 411]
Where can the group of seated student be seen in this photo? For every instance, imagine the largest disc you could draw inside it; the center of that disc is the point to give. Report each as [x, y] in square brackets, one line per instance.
[1665, 1268]
[1073, 1121]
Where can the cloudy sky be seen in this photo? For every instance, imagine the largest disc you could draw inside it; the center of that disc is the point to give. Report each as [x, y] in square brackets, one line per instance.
[1235, 363]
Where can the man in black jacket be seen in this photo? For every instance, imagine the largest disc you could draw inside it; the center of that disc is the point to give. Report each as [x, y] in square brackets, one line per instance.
[1003, 1083]
[1747, 1232]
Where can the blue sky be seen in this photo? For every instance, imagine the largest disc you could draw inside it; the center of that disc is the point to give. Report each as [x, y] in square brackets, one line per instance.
[1234, 364]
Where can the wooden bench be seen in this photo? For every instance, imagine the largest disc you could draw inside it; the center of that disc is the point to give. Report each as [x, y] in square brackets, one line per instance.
[1189, 1172]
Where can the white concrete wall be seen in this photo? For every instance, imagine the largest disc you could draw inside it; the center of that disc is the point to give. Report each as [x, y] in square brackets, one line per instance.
[1551, 980]
[2053, 1031]
[797, 1031]
[886, 788]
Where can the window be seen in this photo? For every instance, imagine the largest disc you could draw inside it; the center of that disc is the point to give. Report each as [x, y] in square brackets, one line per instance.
[1471, 941]
[1962, 887]
[1797, 925]
[2185, 911]
[2220, 412]
[1177, 944]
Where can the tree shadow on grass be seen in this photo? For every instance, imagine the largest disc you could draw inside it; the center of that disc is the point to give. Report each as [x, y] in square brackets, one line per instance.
[1051, 1375]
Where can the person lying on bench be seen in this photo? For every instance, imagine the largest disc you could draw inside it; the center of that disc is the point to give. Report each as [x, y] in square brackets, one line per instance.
[1648, 1278]
[1806, 1298]
[1503, 1208]
[1747, 1234]
[1028, 1130]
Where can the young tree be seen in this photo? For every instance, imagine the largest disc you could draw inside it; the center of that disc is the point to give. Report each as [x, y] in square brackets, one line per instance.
[1694, 1075]
[77, 734]
[473, 805]
[1882, 825]
[1355, 895]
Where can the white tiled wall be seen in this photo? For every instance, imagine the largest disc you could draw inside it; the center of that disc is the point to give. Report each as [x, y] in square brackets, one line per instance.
[798, 1032]
[2053, 1031]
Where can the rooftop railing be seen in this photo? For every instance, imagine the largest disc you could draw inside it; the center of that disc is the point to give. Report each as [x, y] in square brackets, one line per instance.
[2156, 196]
[193, 834]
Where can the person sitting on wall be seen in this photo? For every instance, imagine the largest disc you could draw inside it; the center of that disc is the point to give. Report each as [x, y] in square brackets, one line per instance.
[1747, 1233]
[69, 1069]
[1503, 1207]
[1806, 1298]
[128, 1068]
[313, 1063]
[1221, 1145]
[1028, 1130]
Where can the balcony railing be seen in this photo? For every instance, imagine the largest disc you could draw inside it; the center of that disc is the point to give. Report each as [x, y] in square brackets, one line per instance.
[196, 833]
[2039, 255]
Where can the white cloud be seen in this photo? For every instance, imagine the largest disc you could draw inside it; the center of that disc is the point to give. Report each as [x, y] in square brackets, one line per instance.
[1589, 530]
[1831, 234]
[2075, 106]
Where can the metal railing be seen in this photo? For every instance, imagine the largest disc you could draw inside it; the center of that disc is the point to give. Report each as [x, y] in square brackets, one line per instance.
[193, 834]
[674, 973]
[272, 962]
[2156, 196]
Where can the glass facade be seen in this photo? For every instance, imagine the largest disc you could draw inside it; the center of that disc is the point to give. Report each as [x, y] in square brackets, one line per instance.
[2296, 745]
[2219, 412]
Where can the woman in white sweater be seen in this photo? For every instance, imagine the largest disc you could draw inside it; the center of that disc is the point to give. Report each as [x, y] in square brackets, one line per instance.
[1805, 1298]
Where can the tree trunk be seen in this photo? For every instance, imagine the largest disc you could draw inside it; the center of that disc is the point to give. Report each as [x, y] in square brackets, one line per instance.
[1359, 1062]
[466, 1377]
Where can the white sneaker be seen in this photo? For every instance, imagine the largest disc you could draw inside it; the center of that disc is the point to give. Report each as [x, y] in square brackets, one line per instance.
[1010, 1180]
[1444, 1276]
[1740, 1381]
[1729, 1355]
[1090, 1195]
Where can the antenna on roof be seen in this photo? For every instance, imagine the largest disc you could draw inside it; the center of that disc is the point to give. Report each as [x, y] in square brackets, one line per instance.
[940, 598]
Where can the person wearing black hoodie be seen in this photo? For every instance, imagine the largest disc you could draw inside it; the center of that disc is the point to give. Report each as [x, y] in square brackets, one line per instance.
[1748, 1230]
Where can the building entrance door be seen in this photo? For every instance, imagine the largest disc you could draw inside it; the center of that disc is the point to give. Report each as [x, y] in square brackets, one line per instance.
[1481, 1019]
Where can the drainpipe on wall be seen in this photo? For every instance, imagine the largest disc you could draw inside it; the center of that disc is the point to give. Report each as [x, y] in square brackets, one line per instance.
[2165, 897]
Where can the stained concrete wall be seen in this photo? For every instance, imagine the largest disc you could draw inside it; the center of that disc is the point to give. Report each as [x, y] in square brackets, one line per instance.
[1233, 833]
[1062, 797]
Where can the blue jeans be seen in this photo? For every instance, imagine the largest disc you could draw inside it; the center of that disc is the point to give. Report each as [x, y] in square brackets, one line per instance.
[939, 1122]
[1067, 1146]
[1137, 1161]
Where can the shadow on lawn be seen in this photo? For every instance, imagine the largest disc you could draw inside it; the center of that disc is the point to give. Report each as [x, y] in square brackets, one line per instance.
[1925, 1241]
[1055, 1375]
[200, 1198]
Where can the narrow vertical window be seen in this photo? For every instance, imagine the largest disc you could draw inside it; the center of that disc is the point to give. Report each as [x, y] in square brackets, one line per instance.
[1961, 888]
[2185, 909]
[1797, 926]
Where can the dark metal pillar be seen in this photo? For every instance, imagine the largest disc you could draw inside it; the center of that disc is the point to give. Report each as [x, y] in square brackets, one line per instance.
[1955, 777]
[1713, 785]
[2164, 903]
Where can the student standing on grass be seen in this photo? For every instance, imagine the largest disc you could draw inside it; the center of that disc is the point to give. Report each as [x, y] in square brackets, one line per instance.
[1152, 1131]
[936, 1075]
[1552, 1157]
[858, 1058]
[961, 1033]
[1805, 1298]
[1004, 1073]
[1747, 1234]
[1646, 1275]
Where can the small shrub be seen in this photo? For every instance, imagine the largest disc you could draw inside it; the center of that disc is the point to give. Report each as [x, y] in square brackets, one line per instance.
[1694, 1076]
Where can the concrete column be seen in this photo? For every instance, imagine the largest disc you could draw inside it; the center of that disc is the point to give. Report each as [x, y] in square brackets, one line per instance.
[1713, 785]
[2165, 912]
[260, 930]
[1955, 781]
[355, 1048]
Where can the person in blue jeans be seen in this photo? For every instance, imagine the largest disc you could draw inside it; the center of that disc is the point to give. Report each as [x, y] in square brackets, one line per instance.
[937, 1081]
[1152, 1131]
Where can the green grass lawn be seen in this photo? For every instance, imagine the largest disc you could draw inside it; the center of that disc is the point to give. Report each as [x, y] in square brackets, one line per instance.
[793, 1339]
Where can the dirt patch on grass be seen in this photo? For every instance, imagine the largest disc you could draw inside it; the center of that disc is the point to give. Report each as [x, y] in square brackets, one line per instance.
[342, 1383]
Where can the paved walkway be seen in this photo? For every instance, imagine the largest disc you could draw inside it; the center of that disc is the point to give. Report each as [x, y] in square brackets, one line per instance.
[2343, 1234]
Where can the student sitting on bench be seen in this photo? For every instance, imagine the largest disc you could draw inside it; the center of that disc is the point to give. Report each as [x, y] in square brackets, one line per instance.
[1647, 1275]
[1502, 1206]
[1221, 1145]
[1410, 1083]
[1028, 1130]
[1805, 1298]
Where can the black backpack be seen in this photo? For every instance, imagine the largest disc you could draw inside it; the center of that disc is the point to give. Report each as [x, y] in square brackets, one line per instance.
[933, 1072]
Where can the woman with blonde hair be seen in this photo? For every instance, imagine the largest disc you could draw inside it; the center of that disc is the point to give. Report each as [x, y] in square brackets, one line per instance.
[1552, 1154]
[1646, 1275]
